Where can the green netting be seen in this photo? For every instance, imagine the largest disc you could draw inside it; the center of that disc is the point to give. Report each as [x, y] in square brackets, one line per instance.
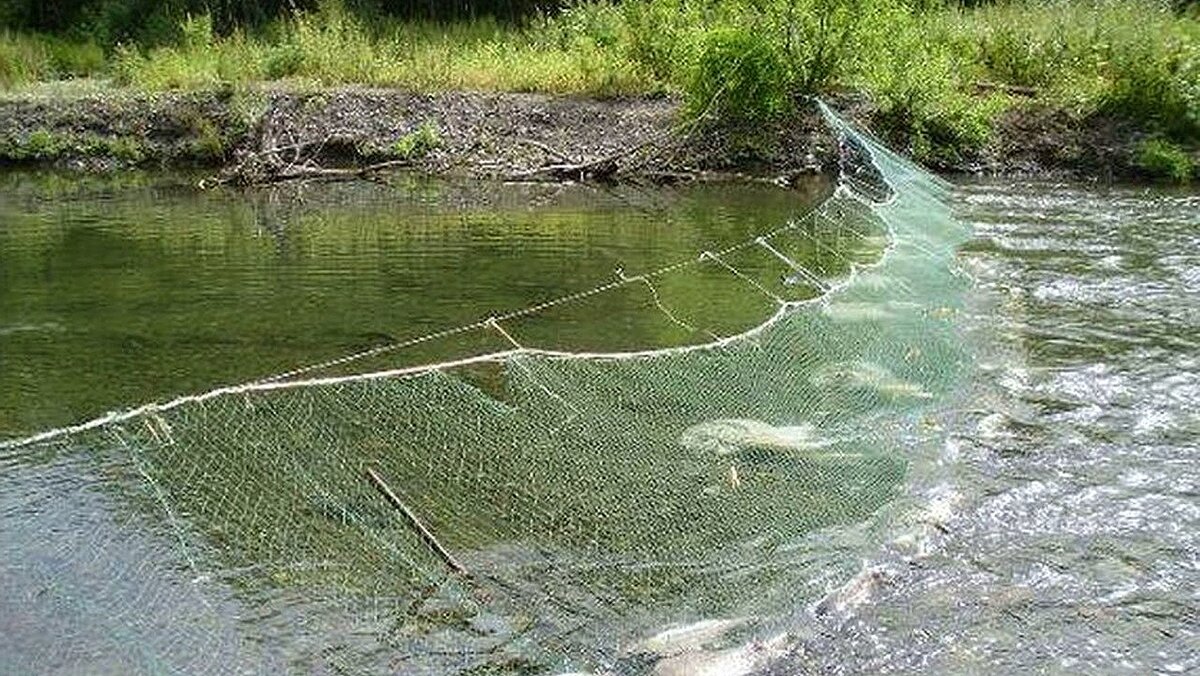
[595, 499]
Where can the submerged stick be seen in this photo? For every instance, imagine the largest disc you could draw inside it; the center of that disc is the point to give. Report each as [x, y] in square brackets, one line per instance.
[425, 533]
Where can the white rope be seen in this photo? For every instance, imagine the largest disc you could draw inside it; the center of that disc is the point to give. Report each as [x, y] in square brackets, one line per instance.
[742, 276]
[493, 323]
[811, 278]
[661, 307]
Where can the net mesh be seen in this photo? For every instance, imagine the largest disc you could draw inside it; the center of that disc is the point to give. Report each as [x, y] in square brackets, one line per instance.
[526, 506]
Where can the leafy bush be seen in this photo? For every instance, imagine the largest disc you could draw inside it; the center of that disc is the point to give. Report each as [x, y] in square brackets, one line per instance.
[44, 145]
[1158, 81]
[739, 78]
[200, 60]
[1162, 159]
[664, 37]
[285, 60]
[927, 102]
[825, 39]
[75, 59]
[598, 24]
[335, 45]
[196, 32]
[1135, 60]
[419, 143]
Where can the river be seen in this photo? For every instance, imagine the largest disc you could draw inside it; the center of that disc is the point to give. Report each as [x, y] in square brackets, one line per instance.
[1074, 546]
[115, 291]
[1069, 541]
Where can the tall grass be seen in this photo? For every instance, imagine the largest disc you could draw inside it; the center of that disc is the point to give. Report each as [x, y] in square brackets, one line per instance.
[22, 60]
[922, 61]
[1131, 58]
[331, 46]
[31, 58]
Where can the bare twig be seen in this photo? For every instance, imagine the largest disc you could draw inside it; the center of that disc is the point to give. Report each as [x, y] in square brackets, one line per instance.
[416, 522]
[310, 170]
[547, 149]
[601, 167]
[608, 165]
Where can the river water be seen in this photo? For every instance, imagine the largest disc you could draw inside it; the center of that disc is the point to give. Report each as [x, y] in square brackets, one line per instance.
[1069, 539]
[1074, 543]
[115, 291]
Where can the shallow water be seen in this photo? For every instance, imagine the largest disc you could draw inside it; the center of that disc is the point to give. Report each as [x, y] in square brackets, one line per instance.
[119, 291]
[1074, 542]
[1063, 531]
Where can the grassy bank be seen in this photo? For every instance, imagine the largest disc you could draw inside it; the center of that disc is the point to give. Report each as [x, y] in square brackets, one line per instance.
[938, 74]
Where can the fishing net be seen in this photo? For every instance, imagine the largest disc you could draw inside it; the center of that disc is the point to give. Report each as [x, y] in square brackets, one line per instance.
[522, 505]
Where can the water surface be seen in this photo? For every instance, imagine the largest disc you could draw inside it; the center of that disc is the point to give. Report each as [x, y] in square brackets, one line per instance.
[1074, 545]
[1069, 539]
[119, 291]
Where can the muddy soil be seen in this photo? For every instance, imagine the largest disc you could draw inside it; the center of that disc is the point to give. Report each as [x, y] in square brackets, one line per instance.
[511, 136]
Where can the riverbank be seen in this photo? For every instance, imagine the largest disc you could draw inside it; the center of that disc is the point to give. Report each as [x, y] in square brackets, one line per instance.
[514, 136]
[598, 89]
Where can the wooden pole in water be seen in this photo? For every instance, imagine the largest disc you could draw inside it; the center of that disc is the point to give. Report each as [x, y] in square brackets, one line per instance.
[416, 522]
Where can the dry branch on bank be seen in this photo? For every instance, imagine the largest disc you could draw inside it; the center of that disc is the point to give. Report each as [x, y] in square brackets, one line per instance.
[269, 161]
[604, 168]
[350, 135]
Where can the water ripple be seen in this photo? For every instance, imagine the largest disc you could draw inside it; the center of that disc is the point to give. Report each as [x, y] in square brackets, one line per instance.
[1077, 546]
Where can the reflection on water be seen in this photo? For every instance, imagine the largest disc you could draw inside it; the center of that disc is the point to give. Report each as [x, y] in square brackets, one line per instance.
[1075, 544]
[118, 291]
[148, 287]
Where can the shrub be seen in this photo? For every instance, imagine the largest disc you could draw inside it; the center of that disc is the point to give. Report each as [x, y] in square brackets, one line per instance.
[1161, 158]
[823, 39]
[739, 78]
[1134, 60]
[125, 148]
[44, 145]
[1156, 81]
[335, 47]
[200, 60]
[283, 60]
[206, 143]
[196, 32]
[417, 144]
[925, 102]
[75, 59]
[663, 37]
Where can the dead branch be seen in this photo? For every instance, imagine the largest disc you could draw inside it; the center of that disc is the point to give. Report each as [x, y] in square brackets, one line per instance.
[597, 169]
[601, 168]
[313, 171]
[416, 522]
[274, 162]
[547, 149]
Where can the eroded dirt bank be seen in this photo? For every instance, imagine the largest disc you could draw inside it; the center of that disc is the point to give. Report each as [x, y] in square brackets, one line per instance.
[246, 136]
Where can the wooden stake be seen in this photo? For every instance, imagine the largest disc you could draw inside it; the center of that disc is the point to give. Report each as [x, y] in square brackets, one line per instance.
[425, 533]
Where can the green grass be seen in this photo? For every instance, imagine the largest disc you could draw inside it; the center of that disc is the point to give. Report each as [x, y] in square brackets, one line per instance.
[744, 61]
[22, 59]
[417, 144]
[45, 145]
[1134, 59]
[33, 58]
[332, 47]
[1162, 159]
